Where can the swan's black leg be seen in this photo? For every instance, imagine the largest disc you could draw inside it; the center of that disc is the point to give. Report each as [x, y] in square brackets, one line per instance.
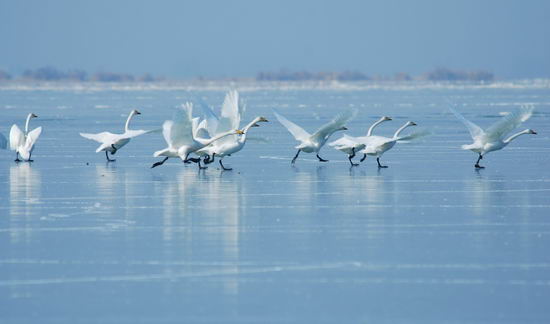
[186, 160]
[156, 164]
[200, 166]
[351, 156]
[295, 157]
[321, 159]
[114, 149]
[363, 158]
[30, 160]
[380, 165]
[194, 160]
[210, 159]
[224, 168]
[17, 157]
[477, 162]
[107, 156]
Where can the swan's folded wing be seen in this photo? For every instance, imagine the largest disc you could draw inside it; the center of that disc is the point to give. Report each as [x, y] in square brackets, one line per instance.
[337, 122]
[475, 131]
[3, 142]
[17, 138]
[298, 132]
[345, 140]
[509, 122]
[99, 137]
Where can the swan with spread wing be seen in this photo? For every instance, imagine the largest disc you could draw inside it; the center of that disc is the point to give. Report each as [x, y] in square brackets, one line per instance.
[231, 114]
[182, 137]
[111, 143]
[312, 143]
[23, 142]
[493, 138]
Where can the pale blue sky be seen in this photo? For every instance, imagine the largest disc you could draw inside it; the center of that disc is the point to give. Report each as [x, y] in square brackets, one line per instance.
[240, 38]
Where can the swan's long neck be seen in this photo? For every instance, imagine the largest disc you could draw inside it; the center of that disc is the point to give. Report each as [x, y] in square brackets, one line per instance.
[128, 120]
[27, 123]
[509, 139]
[245, 129]
[400, 129]
[369, 132]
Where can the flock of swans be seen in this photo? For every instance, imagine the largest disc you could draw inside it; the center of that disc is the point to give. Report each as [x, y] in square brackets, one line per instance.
[220, 136]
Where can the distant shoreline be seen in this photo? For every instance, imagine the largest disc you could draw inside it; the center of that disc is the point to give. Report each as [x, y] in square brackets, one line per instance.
[254, 85]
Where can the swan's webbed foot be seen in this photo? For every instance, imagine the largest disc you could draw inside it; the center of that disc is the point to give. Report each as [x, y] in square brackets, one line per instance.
[30, 161]
[224, 168]
[477, 166]
[156, 164]
[17, 160]
[194, 160]
[295, 157]
[380, 165]
[107, 156]
[321, 159]
[363, 158]
[17, 157]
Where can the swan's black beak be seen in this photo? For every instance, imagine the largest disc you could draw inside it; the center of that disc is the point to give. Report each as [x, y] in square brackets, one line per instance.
[34, 116]
[533, 132]
[138, 113]
[413, 124]
[344, 128]
[255, 125]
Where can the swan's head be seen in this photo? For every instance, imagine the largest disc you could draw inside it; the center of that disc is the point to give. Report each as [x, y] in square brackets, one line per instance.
[135, 112]
[239, 132]
[343, 128]
[530, 131]
[411, 123]
[33, 115]
[259, 120]
[385, 118]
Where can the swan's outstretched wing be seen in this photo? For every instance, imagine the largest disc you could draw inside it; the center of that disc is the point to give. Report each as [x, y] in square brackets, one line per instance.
[413, 136]
[508, 123]
[230, 118]
[32, 137]
[298, 132]
[17, 138]
[179, 131]
[475, 131]
[99, 137]
[337, 122]
[231, 111]
[131, 133]
[3, 142]
[344, 141]
[211, 121]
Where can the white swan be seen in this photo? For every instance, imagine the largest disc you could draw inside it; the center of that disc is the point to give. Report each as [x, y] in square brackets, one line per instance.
[113, 142]
[310, 143]
[180, 137]
[231, 113]
[23, 143]
[3, 142]
[350, 145]
[378, 145]
[228, 145]
[492, 139]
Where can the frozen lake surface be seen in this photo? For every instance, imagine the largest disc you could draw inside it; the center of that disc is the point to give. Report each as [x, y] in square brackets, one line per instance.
[428, 240]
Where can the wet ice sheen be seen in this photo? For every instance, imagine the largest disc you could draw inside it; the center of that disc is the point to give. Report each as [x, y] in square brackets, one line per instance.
[428, 240]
